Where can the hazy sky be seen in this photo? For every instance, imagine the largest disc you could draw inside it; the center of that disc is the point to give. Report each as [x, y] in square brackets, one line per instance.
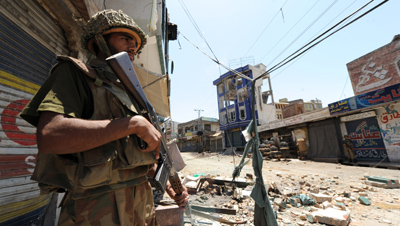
[267, 31]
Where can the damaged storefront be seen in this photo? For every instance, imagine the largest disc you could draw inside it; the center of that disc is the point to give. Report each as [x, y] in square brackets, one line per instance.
[364, 131]
[371, 118]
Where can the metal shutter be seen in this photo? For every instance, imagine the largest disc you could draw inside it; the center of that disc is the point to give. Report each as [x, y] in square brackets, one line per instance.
[29, 43]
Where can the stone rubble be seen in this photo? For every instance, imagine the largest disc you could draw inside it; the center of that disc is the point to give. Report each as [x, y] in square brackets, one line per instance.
[334, 201]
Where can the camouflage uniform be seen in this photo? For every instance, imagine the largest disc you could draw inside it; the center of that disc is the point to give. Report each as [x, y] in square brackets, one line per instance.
[348, 146]
[128, 206]
[106, 185]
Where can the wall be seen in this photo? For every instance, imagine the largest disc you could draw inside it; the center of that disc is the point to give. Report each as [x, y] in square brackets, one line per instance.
[295, 108]
[389, 123]
[377, 69]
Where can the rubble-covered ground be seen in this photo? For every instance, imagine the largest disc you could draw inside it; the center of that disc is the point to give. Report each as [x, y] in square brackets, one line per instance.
[343, 194]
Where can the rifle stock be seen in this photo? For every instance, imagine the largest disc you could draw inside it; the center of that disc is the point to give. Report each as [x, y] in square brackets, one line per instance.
[123, 69]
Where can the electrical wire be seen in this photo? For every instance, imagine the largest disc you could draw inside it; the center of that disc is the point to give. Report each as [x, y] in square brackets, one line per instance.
[216, 60]
[264, 29]
[309, 26]
[285, 61]
[362, 15]
[310, 40]
[333, 20]
[196, 26]
[290, 29]
[347, 78]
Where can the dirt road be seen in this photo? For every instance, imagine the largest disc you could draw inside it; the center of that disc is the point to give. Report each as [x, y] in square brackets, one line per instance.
[330, 178]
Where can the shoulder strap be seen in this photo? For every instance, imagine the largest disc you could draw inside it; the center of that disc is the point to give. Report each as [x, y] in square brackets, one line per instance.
[90, 72]
[87, 69]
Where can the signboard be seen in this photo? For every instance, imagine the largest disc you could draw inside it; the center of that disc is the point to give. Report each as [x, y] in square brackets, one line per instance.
[381, 96]
[367, 140]
[298, 119]
[358, 116]
[377, 69]
[389, 122]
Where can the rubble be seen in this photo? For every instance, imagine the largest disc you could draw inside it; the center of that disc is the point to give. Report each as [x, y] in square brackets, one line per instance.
[331, 216]
[382, 182]
[334, 199]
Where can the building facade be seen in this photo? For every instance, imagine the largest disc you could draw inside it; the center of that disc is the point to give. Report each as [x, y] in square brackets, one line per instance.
[234, 102]
[171, 130]
[371, 118]
[200, 135]
[279, 106]
[295, 107]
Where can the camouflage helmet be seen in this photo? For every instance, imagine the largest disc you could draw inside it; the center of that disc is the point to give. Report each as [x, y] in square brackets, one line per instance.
[109, 21]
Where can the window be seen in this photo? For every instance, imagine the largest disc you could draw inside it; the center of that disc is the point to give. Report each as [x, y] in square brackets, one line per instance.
[232, 115]
[228, 100]
[241, 95]
[229, 84]
[220, 88]
[222, 117]
[239, 81]
[242, 113]
[207, 127]
[221, 103]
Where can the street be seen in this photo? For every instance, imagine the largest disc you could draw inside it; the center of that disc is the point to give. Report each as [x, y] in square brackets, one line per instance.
[293, 176]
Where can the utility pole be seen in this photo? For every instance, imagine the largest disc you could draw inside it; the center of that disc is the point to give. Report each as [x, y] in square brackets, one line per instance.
[199, 133]
[198, 111]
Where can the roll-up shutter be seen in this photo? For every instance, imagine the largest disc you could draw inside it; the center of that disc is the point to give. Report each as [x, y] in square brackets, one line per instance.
[30, 17]
[29, 42]
[324, 140]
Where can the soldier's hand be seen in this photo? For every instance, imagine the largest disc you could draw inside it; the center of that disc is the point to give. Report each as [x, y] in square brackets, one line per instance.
[148, 133]
[182, 199]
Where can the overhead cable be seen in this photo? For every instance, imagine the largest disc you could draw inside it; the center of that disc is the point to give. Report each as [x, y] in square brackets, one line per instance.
[301, 34]
[195, 25]
[290, 30]
[217, 61]
[264, 30]
[284, 61]
[287, 60]
[276, 75]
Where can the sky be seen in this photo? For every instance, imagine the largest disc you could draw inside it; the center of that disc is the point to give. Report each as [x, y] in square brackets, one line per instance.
[268, 31]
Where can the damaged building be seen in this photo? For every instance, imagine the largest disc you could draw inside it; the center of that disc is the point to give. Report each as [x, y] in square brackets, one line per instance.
[370, 118]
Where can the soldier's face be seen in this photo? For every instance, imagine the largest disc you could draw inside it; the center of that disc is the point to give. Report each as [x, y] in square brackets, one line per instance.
[121, 41]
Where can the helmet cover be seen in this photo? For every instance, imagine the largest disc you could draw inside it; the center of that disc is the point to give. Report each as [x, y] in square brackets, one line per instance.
[110, 21]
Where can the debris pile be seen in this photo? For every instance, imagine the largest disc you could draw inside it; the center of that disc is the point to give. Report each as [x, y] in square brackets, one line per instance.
[306, 200]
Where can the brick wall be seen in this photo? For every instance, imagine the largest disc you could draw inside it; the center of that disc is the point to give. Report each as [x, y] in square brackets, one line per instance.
[295, 107]
[377, 69]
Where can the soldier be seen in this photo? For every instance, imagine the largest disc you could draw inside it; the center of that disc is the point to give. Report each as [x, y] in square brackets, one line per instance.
[348, 146]
[87, 134]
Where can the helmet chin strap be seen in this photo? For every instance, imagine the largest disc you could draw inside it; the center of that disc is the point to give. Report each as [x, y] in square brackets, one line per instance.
[103, 45]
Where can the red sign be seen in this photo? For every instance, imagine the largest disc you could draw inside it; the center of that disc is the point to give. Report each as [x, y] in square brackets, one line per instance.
[9, 126]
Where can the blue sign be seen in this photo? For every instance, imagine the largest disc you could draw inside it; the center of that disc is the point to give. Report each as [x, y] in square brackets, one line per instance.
[367, 140]
[365, 100]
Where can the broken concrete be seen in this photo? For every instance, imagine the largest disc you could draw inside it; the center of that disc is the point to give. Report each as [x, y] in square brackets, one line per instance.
[331, 216]
[170, 215]
[340, 185]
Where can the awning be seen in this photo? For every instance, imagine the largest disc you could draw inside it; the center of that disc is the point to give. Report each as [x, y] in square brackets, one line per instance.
[216, 134]
[155, 86]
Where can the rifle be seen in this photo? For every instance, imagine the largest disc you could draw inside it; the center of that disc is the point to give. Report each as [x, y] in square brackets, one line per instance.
[123, 69]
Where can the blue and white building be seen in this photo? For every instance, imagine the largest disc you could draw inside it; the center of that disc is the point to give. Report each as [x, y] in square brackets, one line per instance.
[234, 102]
